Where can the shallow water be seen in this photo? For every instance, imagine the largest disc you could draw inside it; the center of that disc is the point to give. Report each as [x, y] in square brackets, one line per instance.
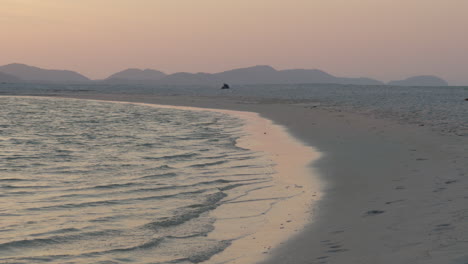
[443, 109]
[95, 182]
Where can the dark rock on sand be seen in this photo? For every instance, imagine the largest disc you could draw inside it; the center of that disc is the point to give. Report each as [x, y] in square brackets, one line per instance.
[374, 212]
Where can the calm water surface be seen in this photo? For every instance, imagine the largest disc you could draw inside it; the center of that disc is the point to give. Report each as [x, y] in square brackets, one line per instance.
[95, 182]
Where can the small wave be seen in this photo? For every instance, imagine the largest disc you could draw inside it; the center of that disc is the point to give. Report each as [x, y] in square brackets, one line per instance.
[77, 205]
[164, 167]
[176, 187]
[148, 145]
[69, 172]
[213, 182]
[204, 232]
[41, 242]
[189, 212]
[159, 197]
[59, 231]
[15, 158]
[164, 175]
[9, 186]
[147, 245]
[209, 252]
[217, 157]
[215, 197]
[201, 165]
[12, 180]
[116, 185]
[112, 202]
[21, 193]
[247, 166]
[230, 187]
[169, 157]
[178, 219]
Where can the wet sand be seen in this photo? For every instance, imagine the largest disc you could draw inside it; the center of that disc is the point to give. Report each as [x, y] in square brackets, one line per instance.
[394, 193]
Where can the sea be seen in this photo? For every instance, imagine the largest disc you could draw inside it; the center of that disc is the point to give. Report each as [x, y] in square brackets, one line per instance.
[441, 109]
[103, 182]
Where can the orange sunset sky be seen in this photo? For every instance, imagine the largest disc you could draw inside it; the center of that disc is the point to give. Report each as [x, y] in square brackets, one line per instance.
[383, 39]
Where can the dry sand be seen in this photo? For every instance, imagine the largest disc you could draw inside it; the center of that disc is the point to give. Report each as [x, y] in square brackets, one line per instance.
[395, 193]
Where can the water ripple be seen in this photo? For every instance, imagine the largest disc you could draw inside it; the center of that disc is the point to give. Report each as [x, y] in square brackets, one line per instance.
[93, 182]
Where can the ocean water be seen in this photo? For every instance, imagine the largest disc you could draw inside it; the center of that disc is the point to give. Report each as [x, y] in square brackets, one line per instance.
[443, 109]
[99, 182]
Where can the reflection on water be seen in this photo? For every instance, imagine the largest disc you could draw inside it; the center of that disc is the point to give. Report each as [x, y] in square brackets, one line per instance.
[94, 182]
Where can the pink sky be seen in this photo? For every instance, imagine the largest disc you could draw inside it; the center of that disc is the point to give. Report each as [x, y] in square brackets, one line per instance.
[383, 39]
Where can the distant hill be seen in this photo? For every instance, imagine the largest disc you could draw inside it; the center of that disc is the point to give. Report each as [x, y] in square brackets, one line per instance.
[30, 73]
[423, 80]
[262, 74]
[305, 76]
[7, 78]
[252, 75]
[318, 76]
[136, 75]
[185, 78]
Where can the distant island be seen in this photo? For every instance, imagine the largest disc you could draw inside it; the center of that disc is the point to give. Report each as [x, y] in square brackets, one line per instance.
[423, 80]
[130, 75]
[35, 74]
[252, 75]
[261, 74]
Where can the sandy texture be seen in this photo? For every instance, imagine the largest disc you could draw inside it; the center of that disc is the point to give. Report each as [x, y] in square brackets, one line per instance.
[292, 180]
[395, 193]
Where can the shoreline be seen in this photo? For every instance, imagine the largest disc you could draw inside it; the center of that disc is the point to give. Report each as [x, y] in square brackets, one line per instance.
[295, 187]
[395, 193]
[293, 180]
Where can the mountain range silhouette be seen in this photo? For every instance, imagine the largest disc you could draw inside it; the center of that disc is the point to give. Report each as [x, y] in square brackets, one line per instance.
[261, 74]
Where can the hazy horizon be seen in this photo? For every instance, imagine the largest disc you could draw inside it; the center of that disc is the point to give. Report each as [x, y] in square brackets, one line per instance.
[386, 40]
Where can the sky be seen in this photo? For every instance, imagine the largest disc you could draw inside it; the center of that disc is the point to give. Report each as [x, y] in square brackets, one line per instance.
[382, 39]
